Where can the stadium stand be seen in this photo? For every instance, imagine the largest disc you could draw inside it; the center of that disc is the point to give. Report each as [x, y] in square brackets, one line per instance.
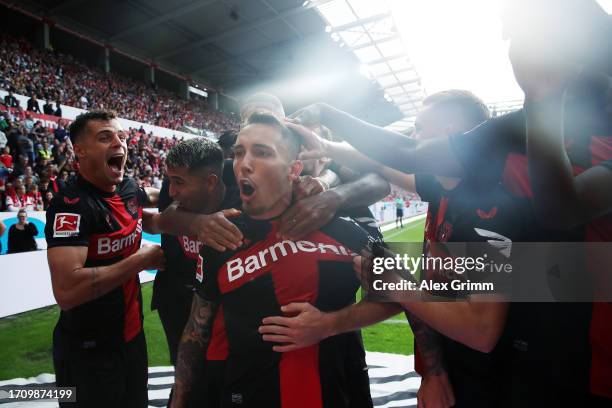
[36, 155]
[57, 77]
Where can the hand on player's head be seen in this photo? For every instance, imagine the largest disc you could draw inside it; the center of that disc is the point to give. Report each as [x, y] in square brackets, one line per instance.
[314, 145]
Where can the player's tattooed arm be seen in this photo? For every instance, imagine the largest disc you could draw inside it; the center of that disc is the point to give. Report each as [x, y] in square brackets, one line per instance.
[192, 348]
[428, 342]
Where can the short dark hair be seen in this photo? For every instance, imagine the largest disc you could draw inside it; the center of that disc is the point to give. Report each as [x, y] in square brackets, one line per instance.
[470, 107]
[291, 140]
[227, 139]
[77, 127]
[22, 211]
[196, 153]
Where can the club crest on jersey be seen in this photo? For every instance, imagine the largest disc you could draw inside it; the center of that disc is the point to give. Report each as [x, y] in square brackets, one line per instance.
[199, 269]
[132, 206]
[66, 225]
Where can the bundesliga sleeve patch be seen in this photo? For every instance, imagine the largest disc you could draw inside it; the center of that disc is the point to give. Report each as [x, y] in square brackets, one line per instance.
[66, 225]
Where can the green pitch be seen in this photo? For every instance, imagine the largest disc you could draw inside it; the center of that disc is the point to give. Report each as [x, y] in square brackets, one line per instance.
[25, 339]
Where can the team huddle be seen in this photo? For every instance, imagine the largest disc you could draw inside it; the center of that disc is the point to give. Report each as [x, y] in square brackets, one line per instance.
[266, 238]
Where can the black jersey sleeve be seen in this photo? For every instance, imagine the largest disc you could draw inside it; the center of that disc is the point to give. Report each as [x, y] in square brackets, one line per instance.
[141, 194]
[428, 188]
[483, 150]
[206, 283]
[365, 219]
[164, 196]
[69, 220]
[347, 232]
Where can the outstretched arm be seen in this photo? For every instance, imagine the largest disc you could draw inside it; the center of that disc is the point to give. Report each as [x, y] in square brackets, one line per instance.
[214, 230]
[389, 148]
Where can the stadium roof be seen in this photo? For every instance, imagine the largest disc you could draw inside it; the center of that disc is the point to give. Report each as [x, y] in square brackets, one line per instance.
[368, 29]
[219, 42]
[235, 46]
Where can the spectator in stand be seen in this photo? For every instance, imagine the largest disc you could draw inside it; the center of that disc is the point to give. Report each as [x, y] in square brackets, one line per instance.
[28, 182]
[19, 200]
[21, 235]
[3, 140]
[4, 122]
[25, 147]
[48, 108]
[33, 104]
[79, 85]
[63, 180]
[52, 175]
[60, 133]
[10, 101]
[28, 123]
[43, 151]
[36, 197]
[58, 110]
[48, 196]
[41, 166]
[39, 130]
[6, 158]
[20, 168]
[30, 173]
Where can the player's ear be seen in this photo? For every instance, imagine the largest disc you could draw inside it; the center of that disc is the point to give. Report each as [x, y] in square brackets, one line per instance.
[212, 180]
[295, 169]
[79, 151]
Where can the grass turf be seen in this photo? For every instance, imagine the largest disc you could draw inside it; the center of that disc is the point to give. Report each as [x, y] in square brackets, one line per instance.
[25, 339]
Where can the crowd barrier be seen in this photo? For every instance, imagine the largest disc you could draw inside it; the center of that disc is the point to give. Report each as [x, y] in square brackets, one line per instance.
[25, 283]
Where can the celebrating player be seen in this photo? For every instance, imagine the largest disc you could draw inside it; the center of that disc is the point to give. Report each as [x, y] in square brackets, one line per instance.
[93, 233]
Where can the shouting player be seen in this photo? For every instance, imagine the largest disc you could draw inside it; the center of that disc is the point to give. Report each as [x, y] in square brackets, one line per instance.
[93, 232]
[237, 289]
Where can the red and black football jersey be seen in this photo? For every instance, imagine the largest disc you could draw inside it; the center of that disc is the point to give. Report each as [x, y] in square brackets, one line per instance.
[551, 350]
[110, 226]
[484, 221]
[182, 251]
[254, 282]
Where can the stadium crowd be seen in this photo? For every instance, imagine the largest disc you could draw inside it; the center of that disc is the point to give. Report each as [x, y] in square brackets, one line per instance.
[36, 162]
[50, 77]
[540, 175]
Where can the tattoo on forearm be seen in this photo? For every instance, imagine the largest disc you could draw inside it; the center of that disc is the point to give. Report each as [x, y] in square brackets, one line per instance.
[192, 348]
[95, 284]
[428, 341]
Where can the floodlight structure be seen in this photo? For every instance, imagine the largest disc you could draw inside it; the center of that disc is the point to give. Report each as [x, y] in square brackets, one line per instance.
[367, 28]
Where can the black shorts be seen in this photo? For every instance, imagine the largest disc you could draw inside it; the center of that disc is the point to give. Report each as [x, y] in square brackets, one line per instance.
[174, 311]
[110, 377]
[399, 212]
